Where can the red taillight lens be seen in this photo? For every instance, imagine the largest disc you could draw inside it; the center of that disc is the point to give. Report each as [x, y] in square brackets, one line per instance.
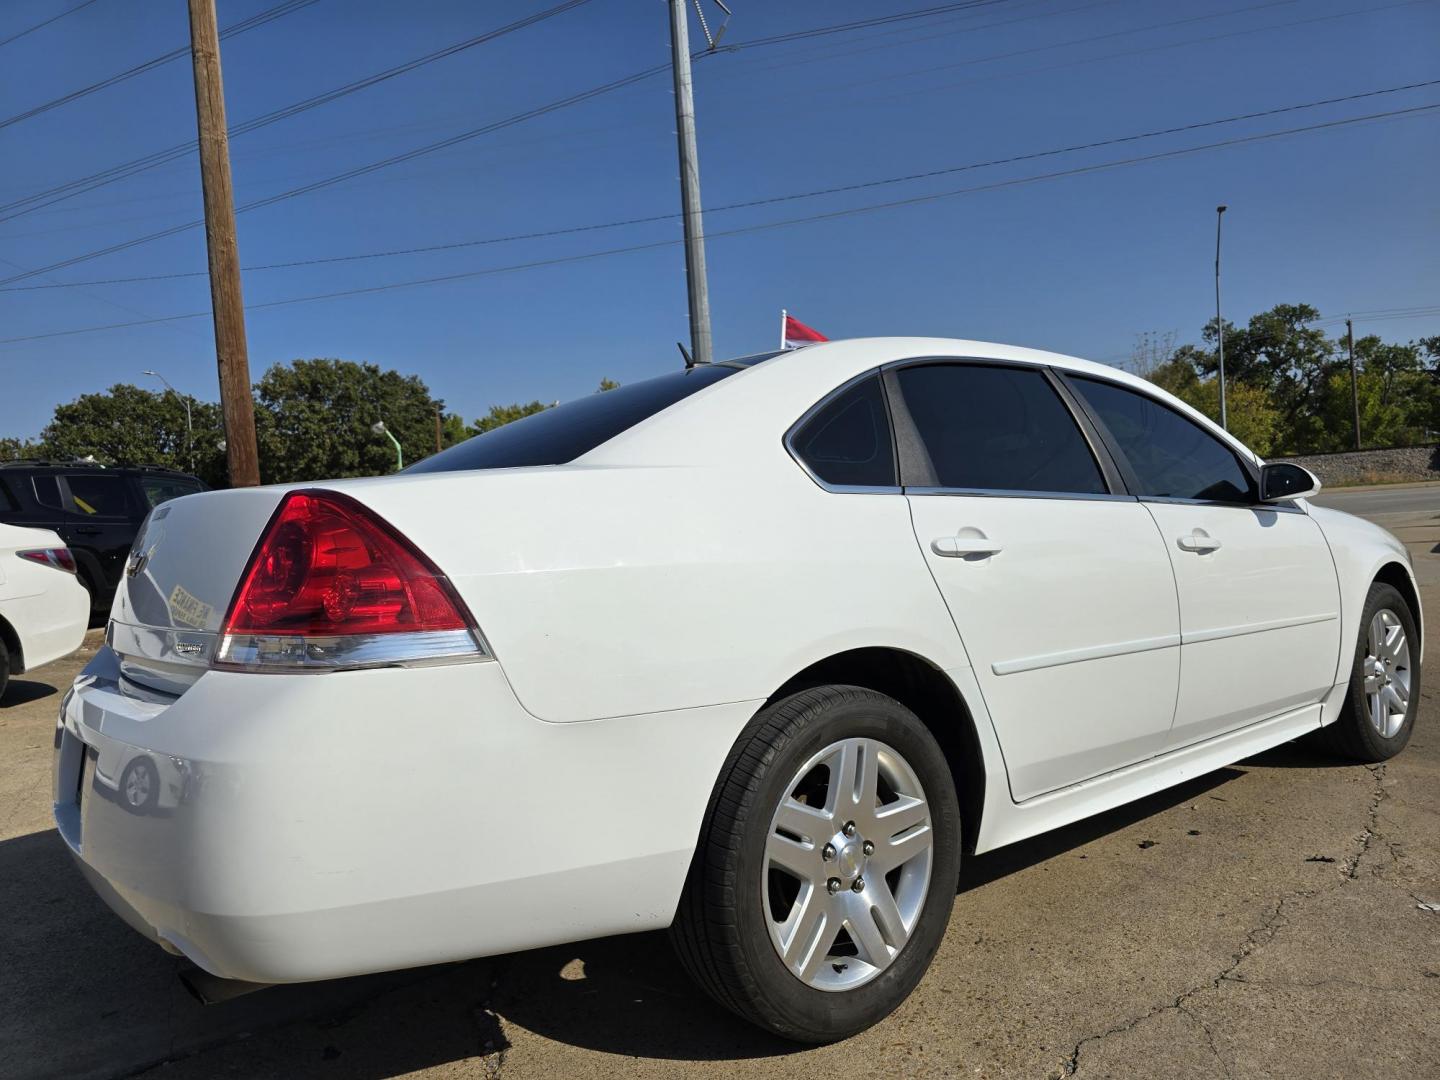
[328, 567]
[59, 558]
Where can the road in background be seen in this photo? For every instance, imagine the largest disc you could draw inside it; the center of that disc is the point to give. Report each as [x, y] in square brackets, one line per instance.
[1277, 918]
[1383, 500]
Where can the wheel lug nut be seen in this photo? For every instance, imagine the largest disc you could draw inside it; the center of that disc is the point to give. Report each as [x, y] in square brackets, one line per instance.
[827, 852]
[833, 885]
[868, 848]
[849, 829]
[859, 884]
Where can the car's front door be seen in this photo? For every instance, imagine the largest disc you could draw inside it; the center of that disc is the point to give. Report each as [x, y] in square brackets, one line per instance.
[1059, 584]
[1259, 601]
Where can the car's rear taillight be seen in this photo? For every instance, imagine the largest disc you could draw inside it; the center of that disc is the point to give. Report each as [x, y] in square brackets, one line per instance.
[59, 558]
[331, 586]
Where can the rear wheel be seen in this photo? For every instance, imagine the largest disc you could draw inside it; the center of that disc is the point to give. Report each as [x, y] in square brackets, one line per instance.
[826, 868]
[1379, 711]
[4, 668]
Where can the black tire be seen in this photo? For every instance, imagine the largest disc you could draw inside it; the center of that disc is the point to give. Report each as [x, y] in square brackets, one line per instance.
[141, 771]
[1353, 735]
[4, 668]
[722, 929]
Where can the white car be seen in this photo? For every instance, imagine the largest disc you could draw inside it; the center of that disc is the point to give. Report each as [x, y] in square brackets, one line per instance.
[756, 651]
[44, 609]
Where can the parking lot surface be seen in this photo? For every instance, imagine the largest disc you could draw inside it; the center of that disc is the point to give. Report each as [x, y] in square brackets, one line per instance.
[1277, 918]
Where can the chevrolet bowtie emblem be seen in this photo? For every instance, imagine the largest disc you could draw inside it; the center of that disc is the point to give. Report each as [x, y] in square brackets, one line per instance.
[136, 563]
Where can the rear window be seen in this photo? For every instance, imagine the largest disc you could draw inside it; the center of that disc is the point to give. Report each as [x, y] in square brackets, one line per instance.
[159, 489]
[563, 433]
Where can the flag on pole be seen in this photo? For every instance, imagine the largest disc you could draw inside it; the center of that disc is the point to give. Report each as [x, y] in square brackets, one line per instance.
[794, 334]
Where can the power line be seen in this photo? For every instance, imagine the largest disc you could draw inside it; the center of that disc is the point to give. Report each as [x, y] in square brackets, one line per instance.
[125, 170]
[45, 23]
[279, 11]
[772, 199]
[762, 227]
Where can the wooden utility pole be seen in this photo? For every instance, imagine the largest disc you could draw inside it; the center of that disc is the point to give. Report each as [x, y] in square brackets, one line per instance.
[226, 302]
[437, 429]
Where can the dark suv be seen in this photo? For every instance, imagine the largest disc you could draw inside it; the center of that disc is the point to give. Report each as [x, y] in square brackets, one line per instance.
[96, 510]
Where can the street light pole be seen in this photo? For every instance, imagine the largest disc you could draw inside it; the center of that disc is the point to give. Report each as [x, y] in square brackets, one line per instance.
[1354, 378]
[189, 426]
[379, 428]
[695, 279]
[1220, 326]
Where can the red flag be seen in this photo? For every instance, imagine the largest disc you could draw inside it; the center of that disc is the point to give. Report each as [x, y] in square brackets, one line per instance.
[798, 334]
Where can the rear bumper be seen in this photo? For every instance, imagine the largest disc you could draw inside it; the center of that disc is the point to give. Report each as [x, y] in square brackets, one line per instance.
[314, 826]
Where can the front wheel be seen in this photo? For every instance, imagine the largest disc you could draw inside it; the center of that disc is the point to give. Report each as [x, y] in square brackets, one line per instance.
[1379, 711]
[826, 868]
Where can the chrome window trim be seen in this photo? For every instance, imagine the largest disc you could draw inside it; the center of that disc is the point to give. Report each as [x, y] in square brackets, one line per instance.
[1003, 493]
[788, 441]
[1279, 508]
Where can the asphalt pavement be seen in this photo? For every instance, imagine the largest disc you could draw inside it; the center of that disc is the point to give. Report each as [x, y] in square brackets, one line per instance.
[1278, 918]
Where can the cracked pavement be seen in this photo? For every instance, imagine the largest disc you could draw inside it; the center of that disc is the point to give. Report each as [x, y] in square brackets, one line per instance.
[1267, 920]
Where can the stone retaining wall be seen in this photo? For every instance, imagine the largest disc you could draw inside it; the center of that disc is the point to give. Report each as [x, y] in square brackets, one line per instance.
[1410, 463]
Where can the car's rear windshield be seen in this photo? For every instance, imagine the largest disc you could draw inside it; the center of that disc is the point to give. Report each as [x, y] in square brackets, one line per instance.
[563, 433]
[159, 489]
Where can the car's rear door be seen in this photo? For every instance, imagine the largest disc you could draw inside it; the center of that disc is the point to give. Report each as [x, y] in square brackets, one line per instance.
[101, 514]
[1259, 599]
[1057, 580]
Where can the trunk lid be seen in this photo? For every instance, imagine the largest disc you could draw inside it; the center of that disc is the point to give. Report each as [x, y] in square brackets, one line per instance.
[182, 571]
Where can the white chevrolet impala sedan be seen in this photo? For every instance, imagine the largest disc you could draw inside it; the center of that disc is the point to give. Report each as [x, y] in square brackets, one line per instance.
[757, 651]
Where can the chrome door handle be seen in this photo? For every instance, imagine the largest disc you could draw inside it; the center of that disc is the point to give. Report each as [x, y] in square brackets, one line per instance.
[957, 547]
[1198, 541]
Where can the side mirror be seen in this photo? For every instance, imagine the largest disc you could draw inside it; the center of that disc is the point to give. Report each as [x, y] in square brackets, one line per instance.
[1282, 481]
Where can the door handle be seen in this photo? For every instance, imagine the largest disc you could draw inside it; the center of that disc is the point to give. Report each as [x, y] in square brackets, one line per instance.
[957, 547]
[87, 530]
[1198, 541]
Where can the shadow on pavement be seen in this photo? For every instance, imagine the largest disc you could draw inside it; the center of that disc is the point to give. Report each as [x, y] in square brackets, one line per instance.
[86, 996]
[24, 691]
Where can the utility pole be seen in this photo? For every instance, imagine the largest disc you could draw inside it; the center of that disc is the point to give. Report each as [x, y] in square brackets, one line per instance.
[437, 428]
[695, 281]
[1220, 326]
[226, 303]
[1354, 378]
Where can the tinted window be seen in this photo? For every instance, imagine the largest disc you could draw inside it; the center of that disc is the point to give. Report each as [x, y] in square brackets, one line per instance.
[159, 489]
[47, 491]
[7, 501]
[97, 495]
[998, 428]
[848, 441]
[1172, 456]
[563, 433]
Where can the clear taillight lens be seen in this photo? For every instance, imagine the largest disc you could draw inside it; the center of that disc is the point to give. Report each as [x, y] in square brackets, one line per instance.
[59, 558]
[331, 586]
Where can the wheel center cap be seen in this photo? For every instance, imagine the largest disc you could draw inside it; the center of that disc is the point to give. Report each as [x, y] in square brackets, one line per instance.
[850, 859]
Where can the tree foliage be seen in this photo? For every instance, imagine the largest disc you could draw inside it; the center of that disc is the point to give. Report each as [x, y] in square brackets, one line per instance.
[1287, 385]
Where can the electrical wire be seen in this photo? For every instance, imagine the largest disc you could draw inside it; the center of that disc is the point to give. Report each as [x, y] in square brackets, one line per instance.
[768, 200]
[762, 227]
[279, 11]
[44, 23]
[125, 170]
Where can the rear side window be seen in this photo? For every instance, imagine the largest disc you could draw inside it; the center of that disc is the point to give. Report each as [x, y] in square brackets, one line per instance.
[997, 428]
[847, 442]
[159, 489]
[1173, 457]
[47, 491]
[7, 501]
[563, 433]
[97, 495]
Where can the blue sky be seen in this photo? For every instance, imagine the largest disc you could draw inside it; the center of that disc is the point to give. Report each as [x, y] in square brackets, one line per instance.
[1345, 218]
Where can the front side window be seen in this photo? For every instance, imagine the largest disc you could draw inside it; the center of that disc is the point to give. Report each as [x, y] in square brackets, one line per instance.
[847, 442]
[990, 427]
[1173, 458]
[97, 495]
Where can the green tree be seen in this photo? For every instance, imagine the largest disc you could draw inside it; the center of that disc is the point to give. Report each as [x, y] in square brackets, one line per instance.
[500, 415]
[313, 419]
[14, 449]
[126, 425]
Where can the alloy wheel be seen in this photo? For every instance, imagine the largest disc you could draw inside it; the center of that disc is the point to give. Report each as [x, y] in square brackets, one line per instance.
[847, 864]
[1387, 673]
